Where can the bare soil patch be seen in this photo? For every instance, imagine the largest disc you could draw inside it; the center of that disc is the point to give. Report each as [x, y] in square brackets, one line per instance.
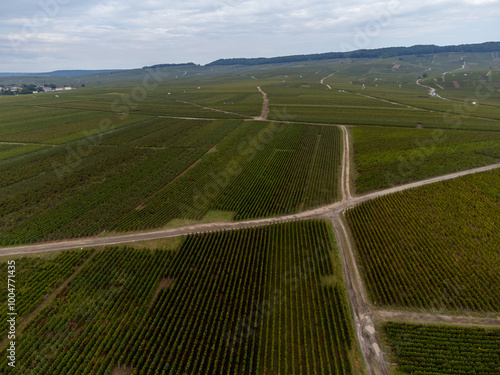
[121, 370]
[165, 283]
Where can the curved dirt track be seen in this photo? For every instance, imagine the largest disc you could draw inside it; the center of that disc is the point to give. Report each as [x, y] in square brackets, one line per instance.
[326, 84]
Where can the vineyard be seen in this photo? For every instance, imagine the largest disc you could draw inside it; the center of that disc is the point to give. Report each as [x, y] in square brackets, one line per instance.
[36, 278]
[85, 197]
[372, 94]
[260, 170]
[420, 350]
[254, 301]
[149, 174]
[300, 172]
[438, 245]
[393, 156]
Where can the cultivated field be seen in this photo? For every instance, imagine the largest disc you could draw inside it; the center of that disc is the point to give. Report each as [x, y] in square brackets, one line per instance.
[419, 349]
[150, 173]
[393, 156]
[254, 301]
[437, 248]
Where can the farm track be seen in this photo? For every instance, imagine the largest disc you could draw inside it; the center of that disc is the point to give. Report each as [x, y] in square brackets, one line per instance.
[326, 84]
[358, 297]
[346, 167]
[26, 143]
[265, 106]
[382, 316]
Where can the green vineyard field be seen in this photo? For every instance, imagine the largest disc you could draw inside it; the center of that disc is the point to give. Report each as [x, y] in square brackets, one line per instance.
[145, 175]
[433, 247]
[253, 301]
[386, 156]
[421, 350]
[34, 278]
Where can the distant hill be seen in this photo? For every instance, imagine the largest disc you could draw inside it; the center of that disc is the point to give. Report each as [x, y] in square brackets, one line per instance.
[364, 53]
[168, 65]
[59, 73]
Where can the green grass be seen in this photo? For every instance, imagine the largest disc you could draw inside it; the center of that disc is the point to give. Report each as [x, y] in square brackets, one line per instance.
[160, 244]
[12, 150]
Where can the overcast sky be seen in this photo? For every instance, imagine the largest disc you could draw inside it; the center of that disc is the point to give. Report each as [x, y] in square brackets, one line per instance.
[46, 35]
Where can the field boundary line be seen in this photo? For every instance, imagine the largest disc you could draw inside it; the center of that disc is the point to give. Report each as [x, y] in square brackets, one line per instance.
[214, 109]
[211, 149]
[392, 102]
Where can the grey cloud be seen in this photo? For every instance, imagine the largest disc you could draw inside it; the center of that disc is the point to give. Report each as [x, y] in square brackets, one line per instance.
[101, 32]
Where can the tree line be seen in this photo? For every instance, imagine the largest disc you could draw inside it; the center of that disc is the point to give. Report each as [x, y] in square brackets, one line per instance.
[364, 53]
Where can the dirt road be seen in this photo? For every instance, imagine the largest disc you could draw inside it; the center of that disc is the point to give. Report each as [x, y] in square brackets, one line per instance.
[265, 106]
[366, 333]
[346, 167]
[432, 90]
[323, 81]
[441, 319]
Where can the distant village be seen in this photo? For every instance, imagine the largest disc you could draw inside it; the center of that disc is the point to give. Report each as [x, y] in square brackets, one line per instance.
[31, 89]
